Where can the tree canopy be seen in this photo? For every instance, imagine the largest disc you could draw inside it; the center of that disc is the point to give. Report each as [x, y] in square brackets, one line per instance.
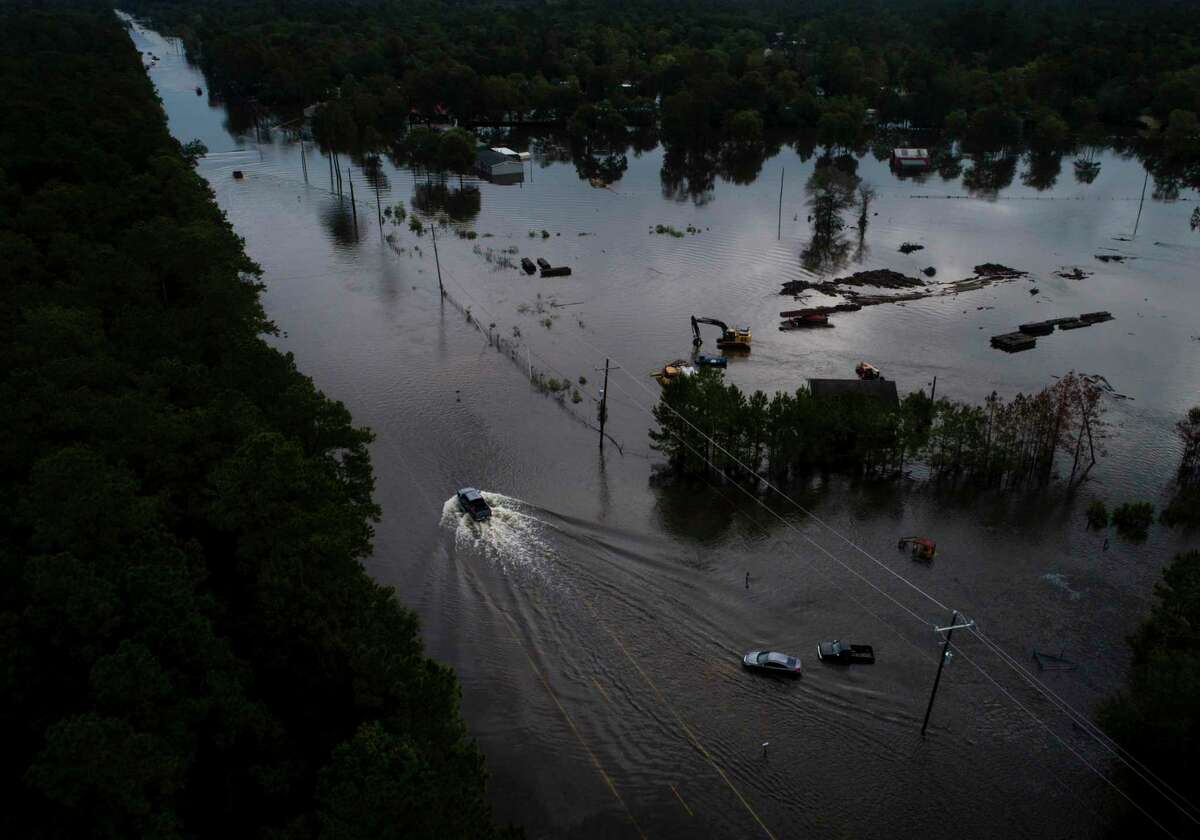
[188, 639]
[700, 62]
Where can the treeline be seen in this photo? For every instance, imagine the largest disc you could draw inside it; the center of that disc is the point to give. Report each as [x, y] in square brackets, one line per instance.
[707, 427]
[189, 644]
[1157, 717]
[994, 72]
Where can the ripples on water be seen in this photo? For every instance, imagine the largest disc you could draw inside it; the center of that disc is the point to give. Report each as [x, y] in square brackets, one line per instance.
[629, 603]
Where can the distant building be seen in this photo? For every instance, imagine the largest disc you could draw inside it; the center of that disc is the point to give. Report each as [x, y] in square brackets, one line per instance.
[879, 389]
[500, 163]
[910, 159]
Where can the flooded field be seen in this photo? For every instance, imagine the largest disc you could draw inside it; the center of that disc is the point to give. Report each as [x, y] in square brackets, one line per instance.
[597, 621]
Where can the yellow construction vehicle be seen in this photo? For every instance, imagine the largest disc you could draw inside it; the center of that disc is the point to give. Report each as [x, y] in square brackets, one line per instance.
[737, 340]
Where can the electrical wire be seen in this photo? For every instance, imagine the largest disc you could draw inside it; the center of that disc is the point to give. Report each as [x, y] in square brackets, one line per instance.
[887, 568]
[1096, 733]
[1059, 738]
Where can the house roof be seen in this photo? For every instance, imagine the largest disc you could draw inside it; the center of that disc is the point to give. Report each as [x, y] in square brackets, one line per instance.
[910, 153]
[490, 157]
[880, 389]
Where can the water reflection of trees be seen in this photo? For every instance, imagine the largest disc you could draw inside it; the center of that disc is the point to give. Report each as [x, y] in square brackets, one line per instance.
[433, 198]
[833, 189]
[1042, 170]
[689, 172]
[989, 173]
[337, 218]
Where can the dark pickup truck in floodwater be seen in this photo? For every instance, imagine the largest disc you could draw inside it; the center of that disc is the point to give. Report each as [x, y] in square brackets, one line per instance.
[840, 652]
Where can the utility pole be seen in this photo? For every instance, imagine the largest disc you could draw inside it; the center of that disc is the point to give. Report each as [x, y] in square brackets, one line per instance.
[437, 261]
[1140, 202]
[949, 629]
[779, 228]
[332, 188]
[353, 208]
[303, 162]
[378, 205]
[603, 404]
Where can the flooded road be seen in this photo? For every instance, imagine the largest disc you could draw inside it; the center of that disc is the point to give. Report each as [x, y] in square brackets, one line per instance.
[597, 622]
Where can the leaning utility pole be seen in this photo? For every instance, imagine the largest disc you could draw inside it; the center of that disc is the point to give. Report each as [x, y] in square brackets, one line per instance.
[779, 219]
[942, 663]
[604, 404]
[437, 261]
[1141, 201]
[353, 208]
[378, 205]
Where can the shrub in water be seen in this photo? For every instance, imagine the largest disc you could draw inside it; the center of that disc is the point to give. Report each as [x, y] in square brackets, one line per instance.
[1097, 515]
[1133, 519]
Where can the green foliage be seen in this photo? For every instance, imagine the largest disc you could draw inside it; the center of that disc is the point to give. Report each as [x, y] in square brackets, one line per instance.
[1133, 519]
[667, 230]
[1182, 136]
[190, 641]
[1157, 716]
[1097, 515]
[704, 426]
[597, 69]
[744, 126]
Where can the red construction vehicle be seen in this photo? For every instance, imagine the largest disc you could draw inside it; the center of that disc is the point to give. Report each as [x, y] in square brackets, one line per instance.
[922, 548]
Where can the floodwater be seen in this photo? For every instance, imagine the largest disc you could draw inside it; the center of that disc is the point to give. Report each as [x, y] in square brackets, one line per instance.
[597, 622]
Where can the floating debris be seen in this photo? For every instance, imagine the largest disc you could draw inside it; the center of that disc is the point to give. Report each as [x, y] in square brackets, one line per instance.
[909, 247]
[558, 271]
[820, 310]
[238, 175]
[1014, 342]
[1075, 273]
[930, 271]
[997, 271]
[1009, 343]
[1117, 258]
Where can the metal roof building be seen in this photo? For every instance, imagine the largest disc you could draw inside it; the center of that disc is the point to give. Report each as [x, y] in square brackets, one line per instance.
[910, 158]
[879, 389]
[499, 163]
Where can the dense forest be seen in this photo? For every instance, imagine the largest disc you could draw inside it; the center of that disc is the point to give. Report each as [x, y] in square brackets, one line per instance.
[990, 72]
[706, 426]
[1155, 717]
[189, 644]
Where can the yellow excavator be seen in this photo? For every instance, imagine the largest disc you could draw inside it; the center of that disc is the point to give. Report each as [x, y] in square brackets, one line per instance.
[737, 340]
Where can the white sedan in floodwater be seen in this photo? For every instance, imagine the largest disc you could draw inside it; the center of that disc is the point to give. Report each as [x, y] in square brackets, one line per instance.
[772, 662]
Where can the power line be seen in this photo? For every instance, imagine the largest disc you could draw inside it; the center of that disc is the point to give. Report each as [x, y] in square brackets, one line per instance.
[873, 586]
[866, 554]
[1059, 738]
[1096, 733]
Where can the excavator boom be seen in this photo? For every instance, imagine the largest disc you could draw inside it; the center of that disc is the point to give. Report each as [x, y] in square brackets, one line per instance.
[696, 322]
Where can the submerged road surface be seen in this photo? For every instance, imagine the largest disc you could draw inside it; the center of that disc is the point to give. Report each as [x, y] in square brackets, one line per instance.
[597, 622]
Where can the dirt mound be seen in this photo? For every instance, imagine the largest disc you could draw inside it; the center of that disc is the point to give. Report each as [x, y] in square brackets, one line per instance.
[883, 278]
[997, 271]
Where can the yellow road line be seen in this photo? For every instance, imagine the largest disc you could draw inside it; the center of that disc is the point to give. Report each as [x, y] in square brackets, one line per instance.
[681, 802]
[682, 725]
[578, 735]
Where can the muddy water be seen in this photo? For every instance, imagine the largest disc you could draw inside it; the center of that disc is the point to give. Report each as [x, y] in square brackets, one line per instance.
[596, 622]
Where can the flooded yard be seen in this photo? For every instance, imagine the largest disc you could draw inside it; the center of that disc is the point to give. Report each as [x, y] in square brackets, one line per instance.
[598, 621]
